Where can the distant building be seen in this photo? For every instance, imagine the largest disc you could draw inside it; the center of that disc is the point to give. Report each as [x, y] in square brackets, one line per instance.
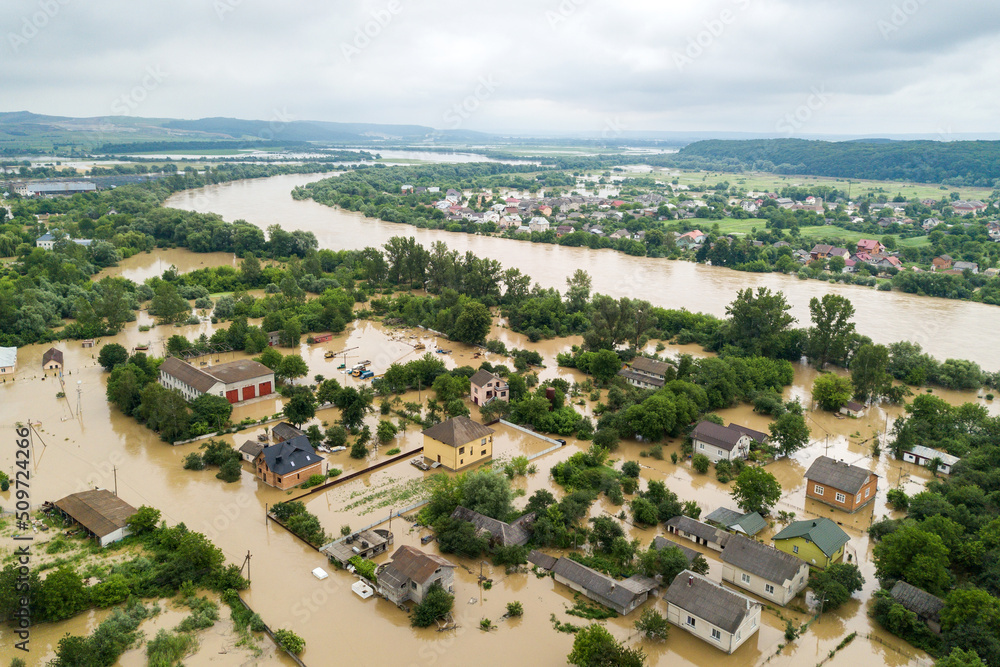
[927, 607]
[646, 373]
[748, 524]
[235, 381]
[284, 431]
[52, 360]
[288, 463]
[538, 224]
[47, 189]
[250, 449]
[698, 532]
[8, 360]
[718, 616]
[411, 573]
[458, 442]
[101, 513]
[500, 533]
[48, 240]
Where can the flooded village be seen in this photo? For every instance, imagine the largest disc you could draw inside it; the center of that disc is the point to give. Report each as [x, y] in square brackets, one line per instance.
[81, 442]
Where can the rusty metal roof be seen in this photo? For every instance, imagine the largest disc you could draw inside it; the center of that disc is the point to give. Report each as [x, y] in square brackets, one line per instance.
[412, 563]
[99, 511]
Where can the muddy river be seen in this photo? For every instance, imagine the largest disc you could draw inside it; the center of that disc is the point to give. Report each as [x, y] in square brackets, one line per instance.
[84, 443]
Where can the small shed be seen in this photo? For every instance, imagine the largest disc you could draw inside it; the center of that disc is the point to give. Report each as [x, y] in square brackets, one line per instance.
[924, 456]
[927, 607]
[52, 360]
[102, 514]
[852, 409]
[250, 449]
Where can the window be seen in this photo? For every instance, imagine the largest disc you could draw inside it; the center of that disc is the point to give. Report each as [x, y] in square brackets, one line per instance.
[701, 445]
[483, 453]
[868, 491]
[795, 549]
[745, 578]
[413, 584]
[841, 498]
[483, 442]
[690, 621]
[461, 450]
[769, 589]
[819, 490]
[857, 498]
[461, 461]
[716, 635]
[737, 635]
[753, 622]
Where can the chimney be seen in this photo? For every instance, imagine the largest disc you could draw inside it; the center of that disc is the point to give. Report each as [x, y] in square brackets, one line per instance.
[690, 581]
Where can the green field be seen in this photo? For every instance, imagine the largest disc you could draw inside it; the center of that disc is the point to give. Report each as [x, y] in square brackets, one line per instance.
[744, 227]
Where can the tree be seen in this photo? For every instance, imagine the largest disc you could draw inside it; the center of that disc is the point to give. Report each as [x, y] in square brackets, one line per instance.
[437, 603]
[291, 367]
[291, 333]
[145, 520]
[832, 391]
[832, 331]
[577, 291]
[969, 606]
[385, 432]
[113, 303]
[652, 624]
[869, 372]
[667, 562]
[631, 469]
[63, 595]
[790, 432]
[354, 405]
[756, 490]
[214, 411]
[301, 407]
[757, 321]
[327, 391]
[606, 438]
[359, 449]
[488, 493]
[168, 305]
[960, 658]
[230, 471]
[644, 512]
[112, 354]
[336, 436]
[594, 646]
[836, 583]
[605, 365]
[700, 462]
[271, 358]
[473, 325]
[915, 556]
[289, 641]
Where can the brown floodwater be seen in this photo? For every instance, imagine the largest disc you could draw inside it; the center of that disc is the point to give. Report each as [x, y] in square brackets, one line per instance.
[143, 265]
[945, 328]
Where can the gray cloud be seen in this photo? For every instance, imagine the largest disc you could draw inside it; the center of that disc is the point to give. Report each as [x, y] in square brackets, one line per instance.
[558, 65]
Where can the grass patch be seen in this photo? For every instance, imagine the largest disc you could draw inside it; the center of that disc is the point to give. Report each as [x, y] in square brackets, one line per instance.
[568, 628]
[583, 608]
[167, 649]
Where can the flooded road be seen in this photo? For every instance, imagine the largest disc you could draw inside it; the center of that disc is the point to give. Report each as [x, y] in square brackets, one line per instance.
[945, 328]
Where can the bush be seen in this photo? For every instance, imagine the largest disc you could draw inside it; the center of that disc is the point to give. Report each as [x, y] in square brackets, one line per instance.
[314, 480]
[230, 471]
[437, 603]
[700, 463]
[194, 461]
[515, 609]
[630, 469]
[898, 499]
[364, 567]
[290, 641]
[723, 470]
[393, 451]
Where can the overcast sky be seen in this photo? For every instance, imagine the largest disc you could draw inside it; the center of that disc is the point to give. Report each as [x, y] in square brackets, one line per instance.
[786, 67]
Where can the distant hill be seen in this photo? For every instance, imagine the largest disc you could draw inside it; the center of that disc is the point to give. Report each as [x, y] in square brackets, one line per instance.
[955, 162]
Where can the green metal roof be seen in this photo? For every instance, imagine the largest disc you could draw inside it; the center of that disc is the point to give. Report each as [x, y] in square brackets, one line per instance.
[822, 532]
[751, 523]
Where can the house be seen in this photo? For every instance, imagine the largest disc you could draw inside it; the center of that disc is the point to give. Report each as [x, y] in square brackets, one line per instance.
[927, 607]
[930, 223]
[646, 373]
[784, 202]
[235, 381]
[52, 360]
[538, 224]
[501, 534]
[101, 513]
[46, 188]
[8, 360]
[852, 409]
[748, 524]
[819, 542]
[365, 543]
[48, 240]
[485, 387]
[719, 442]
[763, 570]
[716, 615]
[871, 246]
[621, 234]
[889, 262]
[250, 449]
[941, 263]
[693, 238]
[622, 596]
[925, 455]
[273, 338]
[966, 266]
[966, 207]
[562, 230]
[842, 485]
[660, 543]
[542, 560]
[759, 437]
[458, 442]
[820, 251]
[698, 532]
[285, 431]
[453, 196]
[411, 573]
[288, 463]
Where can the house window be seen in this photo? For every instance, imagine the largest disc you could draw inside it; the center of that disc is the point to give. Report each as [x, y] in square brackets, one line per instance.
[483, 442]
[461, 450]
[483, 453]
[819, 490]
[745, 578]
[868, 491]
[716, 635]
[857, 498]
[461, 461]
[690, 621]
[768, 588]
[841, 498]
[737, 635]
[795, 549]
[413, 585]
[701, 445]
[753, 622]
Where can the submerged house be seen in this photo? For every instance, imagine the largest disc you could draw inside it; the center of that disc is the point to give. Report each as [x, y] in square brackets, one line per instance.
[819, 542]
[763, 570]
[842, 485]
[698, 532]
[748, 524]
[622, 596]
[288, 463]
[101, 513]
[925, 456]
[720, 442]
[716, 615]
[927, 607]
[458, 443]
[501, 534]
[411, 573]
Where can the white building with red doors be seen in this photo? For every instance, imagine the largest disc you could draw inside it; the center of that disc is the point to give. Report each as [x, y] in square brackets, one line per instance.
[236, 381]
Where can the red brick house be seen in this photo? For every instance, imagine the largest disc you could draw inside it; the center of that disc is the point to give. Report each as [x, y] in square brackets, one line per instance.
[840, 484]
[288, 463]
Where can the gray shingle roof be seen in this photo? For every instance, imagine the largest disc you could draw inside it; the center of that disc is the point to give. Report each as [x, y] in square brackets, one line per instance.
[699, 529]
[751, 523]
[412, 563]
[650, 366]
[619, 592]
[252, 448]
[756, 436]
[290, 455]
[713, 434]
[52, 354]
[660, 542]
[285, 431]
[542, 560]
[761, 559]
[918, 601]
[188, 374]
[506, 533]
[838, 475]
[708, 600]
[639, 377]
[458, 431]
[482, 377]
[928, 453]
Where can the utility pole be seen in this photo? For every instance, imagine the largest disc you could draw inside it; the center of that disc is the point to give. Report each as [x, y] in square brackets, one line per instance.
[79, 398]
[246, 563]
[115, 470]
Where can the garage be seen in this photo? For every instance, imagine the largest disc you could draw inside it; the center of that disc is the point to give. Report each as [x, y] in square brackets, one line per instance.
[249, 392]
[265, 388]
[233, 395]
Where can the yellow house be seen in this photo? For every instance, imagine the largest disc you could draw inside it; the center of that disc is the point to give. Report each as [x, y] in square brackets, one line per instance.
[458, 442]
[819, 542]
